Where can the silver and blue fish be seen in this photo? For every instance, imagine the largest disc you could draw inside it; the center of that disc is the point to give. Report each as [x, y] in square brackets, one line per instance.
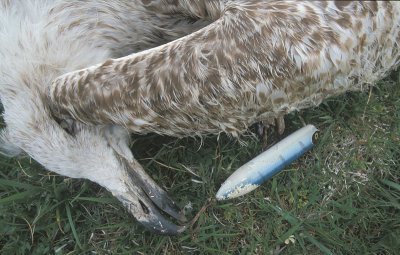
[252, 174]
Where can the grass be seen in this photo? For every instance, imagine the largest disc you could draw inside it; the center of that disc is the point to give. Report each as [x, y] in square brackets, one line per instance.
[342, 197]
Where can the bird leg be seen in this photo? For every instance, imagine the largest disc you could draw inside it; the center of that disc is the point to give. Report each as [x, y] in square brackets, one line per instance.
[277, 122]
[280, 124]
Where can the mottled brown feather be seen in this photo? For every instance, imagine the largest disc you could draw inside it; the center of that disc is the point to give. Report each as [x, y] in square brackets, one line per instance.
[257, 60]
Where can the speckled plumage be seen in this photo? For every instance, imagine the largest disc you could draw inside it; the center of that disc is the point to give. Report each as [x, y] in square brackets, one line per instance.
[225, 65]
[257, 60]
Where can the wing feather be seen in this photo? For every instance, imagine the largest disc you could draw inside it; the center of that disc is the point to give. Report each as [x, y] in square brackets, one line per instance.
[256, 60]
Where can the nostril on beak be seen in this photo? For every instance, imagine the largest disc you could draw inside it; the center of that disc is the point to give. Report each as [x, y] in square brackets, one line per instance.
[144, 207]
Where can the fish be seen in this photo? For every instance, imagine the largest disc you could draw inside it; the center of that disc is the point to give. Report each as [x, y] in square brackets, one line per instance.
[252, 174]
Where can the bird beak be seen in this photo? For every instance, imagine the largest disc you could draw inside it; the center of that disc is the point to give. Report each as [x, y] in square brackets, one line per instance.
[144, 198]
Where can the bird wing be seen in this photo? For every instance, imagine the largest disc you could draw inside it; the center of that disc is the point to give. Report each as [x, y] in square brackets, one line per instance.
[258, 56]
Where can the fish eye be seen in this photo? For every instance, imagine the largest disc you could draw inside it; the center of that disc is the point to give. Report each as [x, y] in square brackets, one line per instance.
[315, 137]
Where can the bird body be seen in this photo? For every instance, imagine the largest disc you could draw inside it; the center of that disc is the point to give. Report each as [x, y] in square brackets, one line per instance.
[257, 60]
[76, 76]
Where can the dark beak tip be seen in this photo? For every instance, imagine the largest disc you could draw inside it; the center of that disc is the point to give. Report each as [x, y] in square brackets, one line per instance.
[146, 199]
[169, 230]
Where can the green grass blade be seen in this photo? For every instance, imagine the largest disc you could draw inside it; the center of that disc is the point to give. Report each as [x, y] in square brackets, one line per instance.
[71, 223]
[16, 184]
[17, 197]
[98, 200]
[322, 247]
[290, 232]
[391, 184]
